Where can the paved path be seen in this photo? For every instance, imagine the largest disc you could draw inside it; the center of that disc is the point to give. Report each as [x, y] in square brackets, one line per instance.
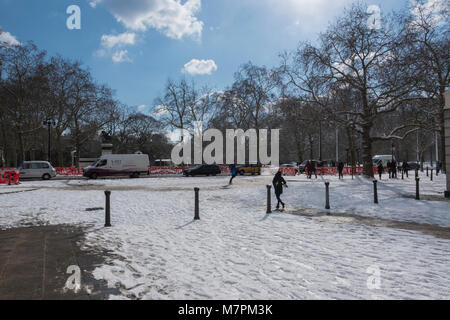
[34, 261]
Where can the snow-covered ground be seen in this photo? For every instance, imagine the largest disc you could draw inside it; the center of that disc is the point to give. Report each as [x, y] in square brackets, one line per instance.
[236, 251]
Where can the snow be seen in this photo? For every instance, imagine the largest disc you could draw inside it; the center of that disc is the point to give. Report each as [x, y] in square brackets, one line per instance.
[236, 251]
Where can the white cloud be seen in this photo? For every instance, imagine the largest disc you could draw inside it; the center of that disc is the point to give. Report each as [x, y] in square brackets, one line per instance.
[160, 111]
[110, 42]
[8, 39]
[121, 56]
[120, 40]
[142, 108]
[172, 17]
[199, 67]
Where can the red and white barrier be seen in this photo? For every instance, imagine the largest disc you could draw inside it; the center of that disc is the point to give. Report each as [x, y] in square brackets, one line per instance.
[69, 171]
[9, 176]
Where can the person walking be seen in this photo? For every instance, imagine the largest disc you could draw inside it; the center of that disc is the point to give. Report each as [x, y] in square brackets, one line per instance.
[405, 168]
[313, 169]
[380, 168]
[278, 182]
[389, 168]
[308, 169]
[438, 167]
[340, 168]
[394, 169]
[233, 174]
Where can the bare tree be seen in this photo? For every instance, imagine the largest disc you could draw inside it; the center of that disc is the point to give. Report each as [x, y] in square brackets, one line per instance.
[368, 61]
[427, 34]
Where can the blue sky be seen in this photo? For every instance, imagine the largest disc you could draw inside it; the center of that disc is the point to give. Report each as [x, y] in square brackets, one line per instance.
[135, 45]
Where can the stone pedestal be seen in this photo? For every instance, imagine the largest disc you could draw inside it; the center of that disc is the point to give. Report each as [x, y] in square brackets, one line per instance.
[107, 148]
[447, 141]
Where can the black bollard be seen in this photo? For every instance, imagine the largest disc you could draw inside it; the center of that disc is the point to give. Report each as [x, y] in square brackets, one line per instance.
[427, 171]
[431, 175]
[417, 173]
[417, 189]
[327, 195]
[269, 206]
[375, 191]
[402, 174]
[108, 209]
[197, 210]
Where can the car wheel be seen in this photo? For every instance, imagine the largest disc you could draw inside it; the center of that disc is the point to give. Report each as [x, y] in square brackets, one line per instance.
[46, 177]
[93, 176]
[241, 173]
[134, 175]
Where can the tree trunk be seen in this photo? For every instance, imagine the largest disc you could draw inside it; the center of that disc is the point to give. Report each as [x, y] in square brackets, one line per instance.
[21, 146]
[367, 152]
[442, 127]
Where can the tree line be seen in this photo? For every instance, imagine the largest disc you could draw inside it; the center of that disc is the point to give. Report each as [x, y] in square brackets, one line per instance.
[365, 90]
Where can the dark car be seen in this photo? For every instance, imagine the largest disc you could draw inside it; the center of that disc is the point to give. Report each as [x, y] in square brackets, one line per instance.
[203, 169]
[413, 165]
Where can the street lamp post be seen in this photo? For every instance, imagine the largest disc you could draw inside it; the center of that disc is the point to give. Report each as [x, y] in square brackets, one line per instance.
[49, 123]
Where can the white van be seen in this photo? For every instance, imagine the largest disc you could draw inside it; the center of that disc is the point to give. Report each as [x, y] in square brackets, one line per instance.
[131, 165]
[383, 158]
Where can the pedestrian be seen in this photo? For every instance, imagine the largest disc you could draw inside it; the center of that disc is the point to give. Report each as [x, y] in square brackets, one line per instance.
[233, 174]
[438, 167]
[341, 169]
[394, 169]
[389, 168]
[405, 168]
[313, 169]
[380, 168]
[278, 182]
[308, 169]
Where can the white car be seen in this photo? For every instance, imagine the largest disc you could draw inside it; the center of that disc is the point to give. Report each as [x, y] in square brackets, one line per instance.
[37, 169]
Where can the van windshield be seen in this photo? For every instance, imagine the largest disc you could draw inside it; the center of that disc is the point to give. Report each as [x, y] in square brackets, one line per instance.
[101, 163]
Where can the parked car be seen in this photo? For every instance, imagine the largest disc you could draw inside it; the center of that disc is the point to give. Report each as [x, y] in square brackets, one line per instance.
[249, 169]
[413, 165]
[131, 165]
[383, 158]
[37, 169]
[203, 169]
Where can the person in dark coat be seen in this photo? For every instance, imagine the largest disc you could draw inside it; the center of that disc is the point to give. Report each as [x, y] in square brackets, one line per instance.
[405, 168]
[340, 168]
[313, 169]
[380, 168]
[438, 167]
[394, 169]
[389, 168]
[278, 182]
[233, 174]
